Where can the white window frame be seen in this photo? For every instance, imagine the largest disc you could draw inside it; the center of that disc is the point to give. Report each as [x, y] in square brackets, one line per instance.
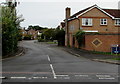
[87, 22]
[117, 22]
[71, 27]
[103, 21]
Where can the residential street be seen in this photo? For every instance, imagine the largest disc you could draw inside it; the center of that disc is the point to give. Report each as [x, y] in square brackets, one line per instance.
[45, 63]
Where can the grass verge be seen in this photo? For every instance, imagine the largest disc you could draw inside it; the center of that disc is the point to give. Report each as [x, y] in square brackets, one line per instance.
[105, 53]
[52, 42]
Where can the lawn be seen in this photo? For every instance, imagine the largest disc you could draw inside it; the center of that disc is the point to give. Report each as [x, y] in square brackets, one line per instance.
[52, 42]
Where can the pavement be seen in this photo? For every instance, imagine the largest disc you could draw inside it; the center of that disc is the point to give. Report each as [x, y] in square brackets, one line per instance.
[49, 63]
[92, 56]
[19, 52]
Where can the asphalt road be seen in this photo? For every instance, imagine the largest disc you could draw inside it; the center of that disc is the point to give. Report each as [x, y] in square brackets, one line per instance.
[44, 63]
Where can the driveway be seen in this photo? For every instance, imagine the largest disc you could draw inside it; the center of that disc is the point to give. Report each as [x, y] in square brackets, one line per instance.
[45, 63]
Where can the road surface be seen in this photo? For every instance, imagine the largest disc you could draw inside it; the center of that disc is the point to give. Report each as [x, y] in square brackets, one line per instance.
[45, 63]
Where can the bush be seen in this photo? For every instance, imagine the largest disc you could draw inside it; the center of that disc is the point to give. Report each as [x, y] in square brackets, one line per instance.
[60, 36]
[10, 33]
[80, 37]
[41, 40]
[19, 37]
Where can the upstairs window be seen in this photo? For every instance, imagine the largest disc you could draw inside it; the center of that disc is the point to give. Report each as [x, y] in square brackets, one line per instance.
[71, 27]
[87, 21]
[103, 21]
[117, 22]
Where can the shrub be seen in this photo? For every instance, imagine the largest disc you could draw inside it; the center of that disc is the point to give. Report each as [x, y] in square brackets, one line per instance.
[41, 40]
[80, 37]
[10, 33]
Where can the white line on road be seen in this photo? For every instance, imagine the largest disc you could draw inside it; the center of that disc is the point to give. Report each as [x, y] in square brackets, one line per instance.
[53, 71]
[40, 77]
[61, 75]
[48, 58]
[17, 77]
[2, 77]
[52, 68]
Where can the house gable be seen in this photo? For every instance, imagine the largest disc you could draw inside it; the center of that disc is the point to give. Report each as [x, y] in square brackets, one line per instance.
[95, 7]
[95, 13]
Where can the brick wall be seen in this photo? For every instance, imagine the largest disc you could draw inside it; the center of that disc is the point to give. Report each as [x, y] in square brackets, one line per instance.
[96, 15]
[101, 43]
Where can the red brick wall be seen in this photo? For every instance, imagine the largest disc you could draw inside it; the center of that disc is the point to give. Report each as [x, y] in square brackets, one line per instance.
[106, 42]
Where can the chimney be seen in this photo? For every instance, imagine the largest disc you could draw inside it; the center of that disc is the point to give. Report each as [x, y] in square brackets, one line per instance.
[68, 11]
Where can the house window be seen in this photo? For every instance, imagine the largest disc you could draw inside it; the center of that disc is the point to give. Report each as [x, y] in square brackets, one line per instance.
[117, 22]
[103, 21]
[71, 27]
[87, 21]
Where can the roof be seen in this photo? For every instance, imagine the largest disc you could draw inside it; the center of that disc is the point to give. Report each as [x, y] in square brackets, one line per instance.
[81, 11]
[114, 13]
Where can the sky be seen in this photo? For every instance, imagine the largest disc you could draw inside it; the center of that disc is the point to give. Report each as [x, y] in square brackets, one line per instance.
[49, 13]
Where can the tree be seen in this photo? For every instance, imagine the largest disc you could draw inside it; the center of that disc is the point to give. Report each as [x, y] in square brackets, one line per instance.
[37, 27]
[60, 37]
[10, 33]
[49, 34]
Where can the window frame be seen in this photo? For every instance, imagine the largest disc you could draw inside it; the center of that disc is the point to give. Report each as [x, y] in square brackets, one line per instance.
[117, 23]
[71, 27]
[102, 21]
[89, 22]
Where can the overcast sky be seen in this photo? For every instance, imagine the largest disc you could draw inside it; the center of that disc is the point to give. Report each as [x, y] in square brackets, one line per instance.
[49, 13]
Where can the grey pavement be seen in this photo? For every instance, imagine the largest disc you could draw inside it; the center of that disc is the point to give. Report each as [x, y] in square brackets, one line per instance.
[46, 63]
[92, 56]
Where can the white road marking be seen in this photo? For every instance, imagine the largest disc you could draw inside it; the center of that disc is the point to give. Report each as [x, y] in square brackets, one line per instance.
[53, 71]
[17, 77]
[61, 75]
[48, 58]
[52, 68]
[40, 77]
[107, 78]
[2, 77]
[103, 76]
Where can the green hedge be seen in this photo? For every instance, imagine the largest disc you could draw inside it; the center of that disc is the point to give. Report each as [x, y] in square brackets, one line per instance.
[10, 33]
[80, 37]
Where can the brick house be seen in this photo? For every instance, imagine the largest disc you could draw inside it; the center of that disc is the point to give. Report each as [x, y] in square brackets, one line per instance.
[34, 33]
[23, 32]
[31, 32]
[94, 19]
